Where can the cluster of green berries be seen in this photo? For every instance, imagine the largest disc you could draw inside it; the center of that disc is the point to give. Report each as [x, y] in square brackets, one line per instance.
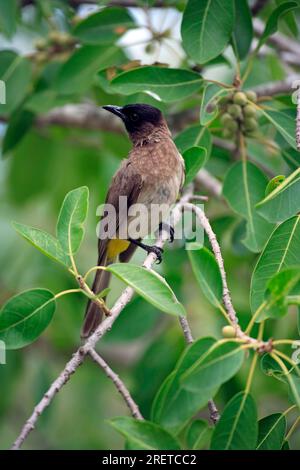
[56, 46]
[239, 113]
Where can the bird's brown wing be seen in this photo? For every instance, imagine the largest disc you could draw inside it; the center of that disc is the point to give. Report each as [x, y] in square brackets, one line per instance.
[126, 182]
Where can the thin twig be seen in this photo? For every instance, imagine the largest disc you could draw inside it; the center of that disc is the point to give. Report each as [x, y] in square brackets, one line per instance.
[120, 386]
[213, 410]
[217, 252]
[277, 88]
[186, 330]
[298, 120]
[262, 346]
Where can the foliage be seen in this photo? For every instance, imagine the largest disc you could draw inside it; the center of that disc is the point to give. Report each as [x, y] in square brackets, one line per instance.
[57, 145]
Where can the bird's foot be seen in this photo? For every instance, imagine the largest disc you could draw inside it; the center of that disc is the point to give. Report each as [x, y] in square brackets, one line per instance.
[157, 251]
[164, 227]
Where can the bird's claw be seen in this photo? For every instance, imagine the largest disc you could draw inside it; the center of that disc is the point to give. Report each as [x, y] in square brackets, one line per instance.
[167, 228]
[158, 252]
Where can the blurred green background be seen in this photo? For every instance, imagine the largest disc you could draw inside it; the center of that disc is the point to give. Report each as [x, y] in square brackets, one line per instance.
[144, 344]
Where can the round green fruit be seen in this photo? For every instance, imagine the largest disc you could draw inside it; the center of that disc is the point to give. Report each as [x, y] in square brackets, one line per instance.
[41, 44]
[228, 331]
[226, 117]
[235, 110]
[55, 36]
[251, 95]
[227, 133]
[250, 124]
[240, 98]
[249, 111]
[41, 57]
[232, 126]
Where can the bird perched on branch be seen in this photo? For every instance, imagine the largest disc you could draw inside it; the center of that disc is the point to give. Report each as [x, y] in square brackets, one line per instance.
[153, 174]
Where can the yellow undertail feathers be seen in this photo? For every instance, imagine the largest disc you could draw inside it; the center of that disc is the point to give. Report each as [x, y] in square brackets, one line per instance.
[115, 247]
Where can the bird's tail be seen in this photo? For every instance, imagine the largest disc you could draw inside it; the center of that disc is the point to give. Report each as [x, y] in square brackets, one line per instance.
[94, 313]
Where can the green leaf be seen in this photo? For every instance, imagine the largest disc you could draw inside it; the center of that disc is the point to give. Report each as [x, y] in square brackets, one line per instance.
[237, 427]
[15, 71]
[272, 23]
[145, 434]
[173, 405]
[281, 251]
[278, 288]
[8, 17]
[244, 186]
[70, 224]
[19, 124]
[195, 136]
[168, 84]
[206, 270]
[194, 158]
[284, 201]
[271, 432]
[282, 370]
[104, 27]
[216, 366]
[206, 28]
[149, 285]
[285, 446]
[273, 184]
[78, 73]
[198, 434]
[44, 242]
[284, 124]
[210, 94]
[25, 316]
[243, 29]
[43, 101]
[271, 368]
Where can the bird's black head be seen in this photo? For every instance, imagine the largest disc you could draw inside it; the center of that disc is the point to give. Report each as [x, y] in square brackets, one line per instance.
[138, 118]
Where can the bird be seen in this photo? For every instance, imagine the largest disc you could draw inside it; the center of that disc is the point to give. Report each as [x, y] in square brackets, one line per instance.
[153, 173]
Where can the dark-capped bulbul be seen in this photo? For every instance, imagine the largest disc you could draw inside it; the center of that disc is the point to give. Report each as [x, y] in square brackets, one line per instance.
[153, 173]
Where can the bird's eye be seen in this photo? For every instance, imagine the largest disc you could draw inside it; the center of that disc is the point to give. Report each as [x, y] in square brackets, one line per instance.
[134, 117]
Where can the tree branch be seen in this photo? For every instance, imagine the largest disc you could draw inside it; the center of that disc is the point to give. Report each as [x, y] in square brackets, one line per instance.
[218, 255]
[298, 120]
[82, 115]
[277, 88]
[120, 386]
[213, 410]
[187, 333]
[80, 354]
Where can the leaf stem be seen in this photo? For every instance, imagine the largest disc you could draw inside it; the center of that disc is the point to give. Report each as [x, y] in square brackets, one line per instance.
[94, 268]
[254, 318]
[221, 84]
[283, 367]
[254, 360]
[65, 292]
[287, 359]
[286, 341]
[251, 373]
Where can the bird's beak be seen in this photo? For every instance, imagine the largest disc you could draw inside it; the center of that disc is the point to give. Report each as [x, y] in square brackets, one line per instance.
[117, 110]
